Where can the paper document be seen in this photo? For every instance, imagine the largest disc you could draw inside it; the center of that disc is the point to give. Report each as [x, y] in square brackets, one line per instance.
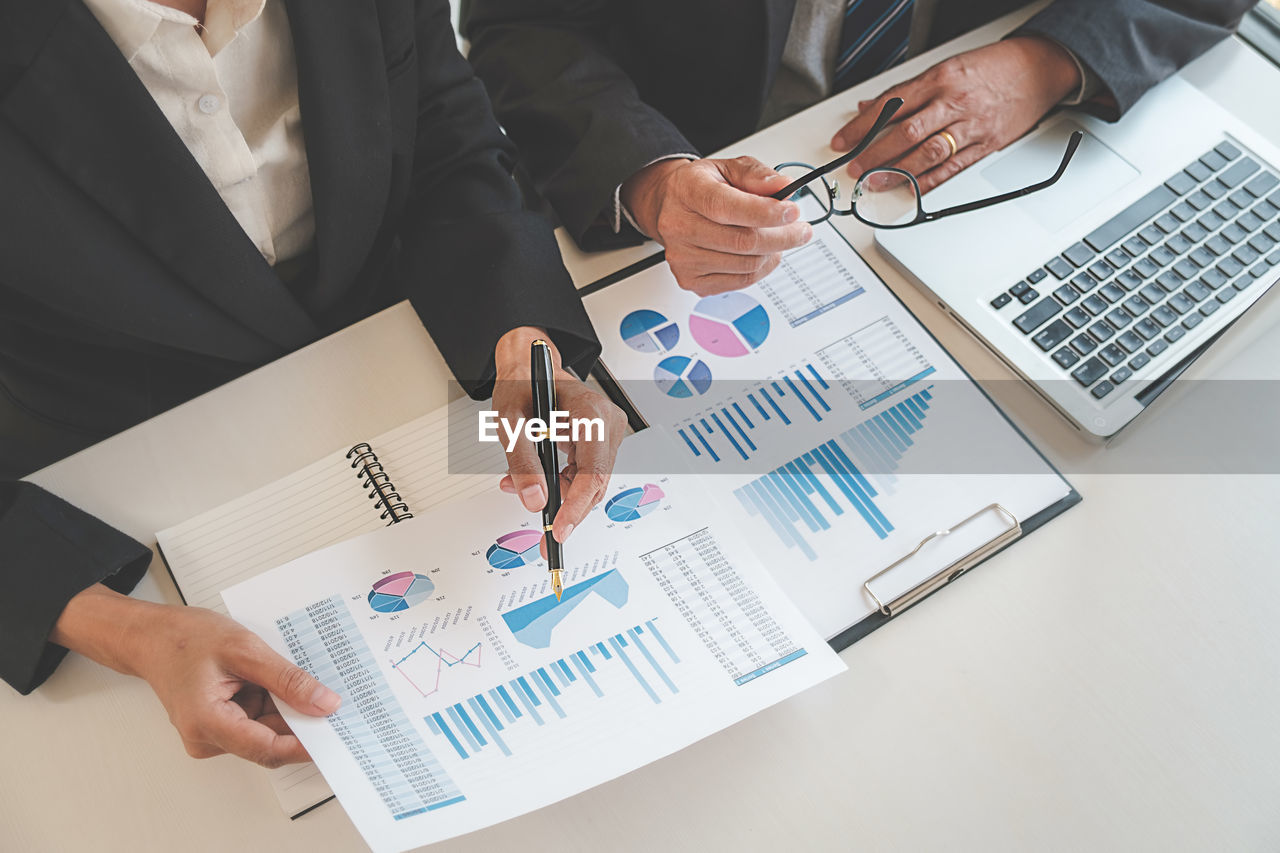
[319, 505]
[471, 696]
[840, 432]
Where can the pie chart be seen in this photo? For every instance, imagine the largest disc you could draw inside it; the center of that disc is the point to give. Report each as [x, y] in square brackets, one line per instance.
[400, 592]
[648, 331]
[513, 550]
[633, 504]
[729, 324]
[681, 376]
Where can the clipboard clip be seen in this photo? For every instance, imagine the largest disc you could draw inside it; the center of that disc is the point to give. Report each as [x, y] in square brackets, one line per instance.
[950, 572]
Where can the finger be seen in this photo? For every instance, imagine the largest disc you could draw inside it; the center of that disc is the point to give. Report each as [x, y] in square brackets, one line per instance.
[252, 740]
[934, 151]
[736, 240]
[257, 663]
[750, 175]
[695, 261]
[507, 485]
[708, 285]
[914, 93]
[275, 722]
[592, 463]
[904, 136]
[728, 205]
[953, 166]
[524, 467]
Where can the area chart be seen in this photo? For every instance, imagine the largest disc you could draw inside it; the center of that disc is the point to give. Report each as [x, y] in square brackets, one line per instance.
[533, 623]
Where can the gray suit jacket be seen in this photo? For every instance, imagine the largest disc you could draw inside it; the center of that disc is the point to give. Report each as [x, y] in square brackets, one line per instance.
[592, 90]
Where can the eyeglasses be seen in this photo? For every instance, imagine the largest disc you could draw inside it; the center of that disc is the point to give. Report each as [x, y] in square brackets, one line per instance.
[887, 197]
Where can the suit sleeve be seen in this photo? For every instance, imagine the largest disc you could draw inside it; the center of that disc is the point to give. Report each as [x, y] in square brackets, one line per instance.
[477, 263]
[49, 552]
[1131, 45]
[561, 93]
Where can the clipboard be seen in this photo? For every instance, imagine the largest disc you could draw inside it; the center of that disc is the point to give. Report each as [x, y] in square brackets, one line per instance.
[887, 606]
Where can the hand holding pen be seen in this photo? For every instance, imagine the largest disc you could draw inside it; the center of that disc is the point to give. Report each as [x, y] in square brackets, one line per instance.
[588, 463]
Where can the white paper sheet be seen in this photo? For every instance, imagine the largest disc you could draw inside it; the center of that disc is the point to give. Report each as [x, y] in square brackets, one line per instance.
[831, 420]
[320, 505]
[471, 696]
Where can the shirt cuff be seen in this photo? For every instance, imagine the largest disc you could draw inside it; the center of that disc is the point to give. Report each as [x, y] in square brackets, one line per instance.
[620, 210]
[1090, 84]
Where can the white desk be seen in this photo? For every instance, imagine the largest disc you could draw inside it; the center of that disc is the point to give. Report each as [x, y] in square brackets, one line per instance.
[1111, 682]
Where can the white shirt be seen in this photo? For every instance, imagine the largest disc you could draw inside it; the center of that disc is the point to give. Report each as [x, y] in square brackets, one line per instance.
[230, 90]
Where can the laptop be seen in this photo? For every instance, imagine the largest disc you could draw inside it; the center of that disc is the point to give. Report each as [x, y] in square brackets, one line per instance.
[1102, 289]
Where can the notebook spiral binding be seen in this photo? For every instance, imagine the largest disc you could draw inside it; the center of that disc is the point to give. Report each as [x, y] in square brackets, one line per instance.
[374, 477]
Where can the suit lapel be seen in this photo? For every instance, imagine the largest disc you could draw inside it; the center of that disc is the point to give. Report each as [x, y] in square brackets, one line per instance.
[342, 89]
[81, 105]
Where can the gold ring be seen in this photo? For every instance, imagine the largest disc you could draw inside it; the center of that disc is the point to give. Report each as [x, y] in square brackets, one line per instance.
[951, 140]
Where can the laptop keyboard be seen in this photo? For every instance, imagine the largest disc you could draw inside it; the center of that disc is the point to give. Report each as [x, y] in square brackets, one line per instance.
[1114, 302]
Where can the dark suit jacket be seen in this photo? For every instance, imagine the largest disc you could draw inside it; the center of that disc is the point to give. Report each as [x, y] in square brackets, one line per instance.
[592, 90]
[126, 286]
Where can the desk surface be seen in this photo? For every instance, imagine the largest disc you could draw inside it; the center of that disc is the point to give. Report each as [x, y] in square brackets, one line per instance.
[1110, 682]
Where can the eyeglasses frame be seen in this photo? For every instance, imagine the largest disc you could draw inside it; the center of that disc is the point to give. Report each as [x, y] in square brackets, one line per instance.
[886, 115]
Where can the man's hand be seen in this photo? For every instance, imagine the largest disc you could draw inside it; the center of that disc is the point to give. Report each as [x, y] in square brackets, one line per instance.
[210, 673]
[589, 463]
[720, 229]
[985, 99]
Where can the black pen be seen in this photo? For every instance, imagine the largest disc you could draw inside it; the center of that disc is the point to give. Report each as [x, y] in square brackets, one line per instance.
[544, 402]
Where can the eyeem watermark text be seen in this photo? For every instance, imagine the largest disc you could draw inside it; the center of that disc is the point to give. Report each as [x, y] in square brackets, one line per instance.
[561, 428]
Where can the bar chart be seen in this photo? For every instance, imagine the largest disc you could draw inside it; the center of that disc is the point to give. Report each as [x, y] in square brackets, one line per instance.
[793, 499]
[874, 363]
[729, 430]
[809, 282]
[323, 639]
[486, 720]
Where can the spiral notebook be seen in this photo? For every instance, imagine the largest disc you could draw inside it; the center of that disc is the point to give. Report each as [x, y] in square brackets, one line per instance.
[354, 490]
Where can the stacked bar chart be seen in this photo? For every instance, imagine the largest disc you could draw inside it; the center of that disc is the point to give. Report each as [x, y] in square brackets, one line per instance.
[323, 639]
[874, 363]
[798, 397]
[535, 698]
[809, 282]
[793, 498]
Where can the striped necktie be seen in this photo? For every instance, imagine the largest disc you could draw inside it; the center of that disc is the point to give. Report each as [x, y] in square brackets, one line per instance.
[874, 37]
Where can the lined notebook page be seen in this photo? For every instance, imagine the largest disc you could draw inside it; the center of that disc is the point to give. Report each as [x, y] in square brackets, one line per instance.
[317, 506]
[322, 504]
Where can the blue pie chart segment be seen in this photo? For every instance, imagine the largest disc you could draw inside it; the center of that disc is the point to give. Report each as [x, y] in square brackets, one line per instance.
[649, 332]
[681, 376]
[634, 504]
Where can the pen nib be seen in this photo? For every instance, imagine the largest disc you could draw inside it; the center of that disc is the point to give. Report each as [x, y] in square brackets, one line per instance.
[556, 586]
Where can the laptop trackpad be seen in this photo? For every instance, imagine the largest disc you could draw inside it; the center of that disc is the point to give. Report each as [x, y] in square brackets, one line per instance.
[1095, 173]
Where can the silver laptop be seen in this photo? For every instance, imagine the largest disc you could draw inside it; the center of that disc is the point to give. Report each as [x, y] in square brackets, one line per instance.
[1100, 290]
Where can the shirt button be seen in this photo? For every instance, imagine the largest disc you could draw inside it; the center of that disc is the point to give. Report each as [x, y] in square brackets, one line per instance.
[208, 104]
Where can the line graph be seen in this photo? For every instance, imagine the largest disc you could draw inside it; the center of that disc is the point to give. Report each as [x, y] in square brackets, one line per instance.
[426, 673]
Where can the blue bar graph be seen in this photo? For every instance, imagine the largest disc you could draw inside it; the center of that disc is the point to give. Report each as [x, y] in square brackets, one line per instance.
[476, 724]
[800, 499]
[727, 432]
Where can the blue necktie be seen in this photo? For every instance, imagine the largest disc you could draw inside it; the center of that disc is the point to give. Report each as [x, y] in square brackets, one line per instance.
[874, 37]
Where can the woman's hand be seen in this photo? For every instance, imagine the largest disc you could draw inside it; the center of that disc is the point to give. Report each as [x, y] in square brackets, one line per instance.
[211, 674]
